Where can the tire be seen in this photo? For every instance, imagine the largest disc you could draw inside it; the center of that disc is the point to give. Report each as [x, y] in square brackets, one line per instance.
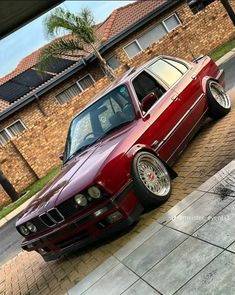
[218, 100]
[152, 182]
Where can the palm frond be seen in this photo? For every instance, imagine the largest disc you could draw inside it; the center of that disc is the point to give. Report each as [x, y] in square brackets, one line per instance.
[61, 47]
[81, 25]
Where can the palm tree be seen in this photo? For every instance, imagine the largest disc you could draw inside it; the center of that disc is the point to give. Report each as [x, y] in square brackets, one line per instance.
[80, 40]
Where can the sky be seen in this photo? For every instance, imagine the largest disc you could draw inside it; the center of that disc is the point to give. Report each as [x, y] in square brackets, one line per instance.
[32, 36]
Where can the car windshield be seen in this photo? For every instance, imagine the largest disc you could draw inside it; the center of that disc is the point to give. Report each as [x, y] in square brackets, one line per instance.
[109, 113]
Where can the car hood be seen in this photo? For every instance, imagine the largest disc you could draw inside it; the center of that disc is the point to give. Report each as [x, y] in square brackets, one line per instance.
[77, 174]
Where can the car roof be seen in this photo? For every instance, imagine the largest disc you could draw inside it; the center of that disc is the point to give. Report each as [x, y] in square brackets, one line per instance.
[125, 78]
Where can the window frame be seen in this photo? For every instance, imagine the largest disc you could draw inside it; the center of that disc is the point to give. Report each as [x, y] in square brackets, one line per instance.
[165, 58]
[115, 56]
[143, 115]
[9, 134]
[152, 27]
[138, 44]
[75, 83]
[162, 83]
[164, 22]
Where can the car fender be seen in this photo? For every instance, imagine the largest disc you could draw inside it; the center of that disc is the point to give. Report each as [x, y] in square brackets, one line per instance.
[205, 83]
[141, 147]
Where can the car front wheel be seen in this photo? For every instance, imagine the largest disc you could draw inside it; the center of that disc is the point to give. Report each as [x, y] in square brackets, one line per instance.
[218, 99]
[152, 182]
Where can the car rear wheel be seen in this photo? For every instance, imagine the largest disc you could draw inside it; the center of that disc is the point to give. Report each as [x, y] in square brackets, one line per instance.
[152, 182]
[218, 99]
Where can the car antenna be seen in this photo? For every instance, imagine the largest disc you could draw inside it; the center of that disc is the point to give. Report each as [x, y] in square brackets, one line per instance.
[191, 52]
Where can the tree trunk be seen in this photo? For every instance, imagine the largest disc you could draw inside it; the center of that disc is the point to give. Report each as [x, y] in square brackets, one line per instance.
[8, 187]
[229, 10]
[107, 69]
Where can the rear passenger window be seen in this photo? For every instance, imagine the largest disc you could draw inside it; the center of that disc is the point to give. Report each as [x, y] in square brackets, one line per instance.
[181, 67]
[167, 72]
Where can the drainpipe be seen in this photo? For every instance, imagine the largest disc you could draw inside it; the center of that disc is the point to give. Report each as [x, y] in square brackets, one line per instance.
[39, 105]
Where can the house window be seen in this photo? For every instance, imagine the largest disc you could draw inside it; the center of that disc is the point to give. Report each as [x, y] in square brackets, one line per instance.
[151, 36]
[86, 82]
[198, 5]
[113, 62]
[132, 49]
[75, 89]
[11, 131]
[68, 93]
[171, 22]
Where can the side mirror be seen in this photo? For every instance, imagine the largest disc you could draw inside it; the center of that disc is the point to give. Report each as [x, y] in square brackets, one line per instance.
[61, 156]
[148, 101]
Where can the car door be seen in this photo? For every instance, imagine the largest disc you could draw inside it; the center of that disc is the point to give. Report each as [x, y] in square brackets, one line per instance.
[162, 116]
[186, 103]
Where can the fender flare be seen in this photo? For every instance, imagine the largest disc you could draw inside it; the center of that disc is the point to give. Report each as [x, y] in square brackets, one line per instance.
[205, 81]
[141, 147]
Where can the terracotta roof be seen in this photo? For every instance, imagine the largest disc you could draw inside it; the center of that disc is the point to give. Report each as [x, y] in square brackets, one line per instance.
[125, 16]
[118, 21]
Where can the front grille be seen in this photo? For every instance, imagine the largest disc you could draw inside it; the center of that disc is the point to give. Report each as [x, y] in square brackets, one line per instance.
[55, 215]
[68, 208]
[47, 220]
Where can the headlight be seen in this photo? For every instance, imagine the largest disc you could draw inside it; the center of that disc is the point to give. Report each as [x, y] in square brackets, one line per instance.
[24, 230]
[94, 192]
[80, 200]
[31, 227]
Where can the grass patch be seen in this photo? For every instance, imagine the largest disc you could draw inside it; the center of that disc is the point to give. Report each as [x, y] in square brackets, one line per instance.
[222, 50]
[30, 191]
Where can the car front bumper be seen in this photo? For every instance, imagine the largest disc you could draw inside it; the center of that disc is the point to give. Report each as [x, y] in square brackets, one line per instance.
[124, 209]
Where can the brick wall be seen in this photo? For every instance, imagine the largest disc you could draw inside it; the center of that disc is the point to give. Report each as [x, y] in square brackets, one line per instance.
[36, 150]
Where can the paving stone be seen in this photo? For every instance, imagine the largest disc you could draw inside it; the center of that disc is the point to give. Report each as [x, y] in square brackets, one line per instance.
[115, 282]
[199, 212]
[94, 276]
[181, 206]
[180, 265]
[220, 230]
[232, 247]
[226, 187]
[216, 278]
[140, 288]
[211, 182]
[153, 250]
[138, 240]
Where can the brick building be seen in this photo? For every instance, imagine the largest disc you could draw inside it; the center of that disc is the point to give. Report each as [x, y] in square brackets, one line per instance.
[36, 110]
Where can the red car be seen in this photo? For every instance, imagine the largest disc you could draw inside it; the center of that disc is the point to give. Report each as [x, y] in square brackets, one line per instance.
[119, 151]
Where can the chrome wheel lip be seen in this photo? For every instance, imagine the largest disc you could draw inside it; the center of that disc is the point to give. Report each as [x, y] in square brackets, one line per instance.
[154, 175]
[220, 95]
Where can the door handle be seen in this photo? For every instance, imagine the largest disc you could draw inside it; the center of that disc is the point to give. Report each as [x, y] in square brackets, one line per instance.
[175, 97]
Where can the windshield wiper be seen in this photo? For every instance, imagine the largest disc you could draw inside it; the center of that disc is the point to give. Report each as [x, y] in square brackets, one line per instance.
[116, 127]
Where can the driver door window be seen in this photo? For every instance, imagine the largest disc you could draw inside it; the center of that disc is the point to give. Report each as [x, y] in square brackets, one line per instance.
[145, 84]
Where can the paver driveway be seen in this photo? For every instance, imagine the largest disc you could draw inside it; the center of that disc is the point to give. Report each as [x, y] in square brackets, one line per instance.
[209, 151]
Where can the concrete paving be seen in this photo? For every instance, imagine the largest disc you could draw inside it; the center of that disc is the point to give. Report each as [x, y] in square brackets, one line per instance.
[189, 250]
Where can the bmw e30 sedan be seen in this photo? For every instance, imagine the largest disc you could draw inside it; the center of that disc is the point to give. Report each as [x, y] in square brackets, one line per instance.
[119, 151]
